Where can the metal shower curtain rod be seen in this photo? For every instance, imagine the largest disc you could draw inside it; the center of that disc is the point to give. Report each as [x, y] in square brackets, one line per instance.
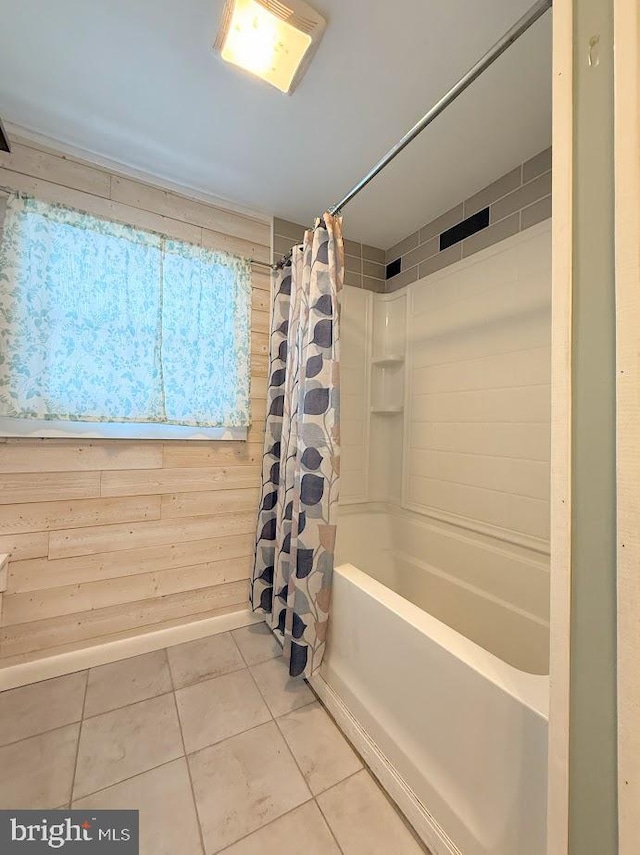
[519, 28]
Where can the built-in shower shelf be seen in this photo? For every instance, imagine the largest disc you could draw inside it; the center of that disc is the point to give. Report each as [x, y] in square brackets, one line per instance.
[385, 361]
[386, 411]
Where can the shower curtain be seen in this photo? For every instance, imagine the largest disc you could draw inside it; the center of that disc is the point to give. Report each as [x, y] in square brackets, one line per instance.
[296, 528]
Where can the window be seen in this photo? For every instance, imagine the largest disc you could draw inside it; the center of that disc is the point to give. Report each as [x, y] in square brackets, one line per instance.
[106, 323]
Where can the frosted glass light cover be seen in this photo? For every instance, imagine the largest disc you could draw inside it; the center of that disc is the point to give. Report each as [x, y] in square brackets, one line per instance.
[261, 36]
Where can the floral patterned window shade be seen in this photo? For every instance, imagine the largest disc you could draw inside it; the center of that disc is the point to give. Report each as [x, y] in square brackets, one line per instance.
[103, 322]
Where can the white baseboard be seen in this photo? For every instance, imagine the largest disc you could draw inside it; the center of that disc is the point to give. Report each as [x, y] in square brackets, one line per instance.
[91, 656]
[424, 824]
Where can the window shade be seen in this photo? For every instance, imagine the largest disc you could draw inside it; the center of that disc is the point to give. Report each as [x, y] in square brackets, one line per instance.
[105, 322]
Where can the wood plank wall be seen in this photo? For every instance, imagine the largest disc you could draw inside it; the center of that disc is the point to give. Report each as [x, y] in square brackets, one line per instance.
[110, 538]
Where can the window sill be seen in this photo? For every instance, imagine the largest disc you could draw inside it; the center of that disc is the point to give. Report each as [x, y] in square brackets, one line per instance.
[36, 428]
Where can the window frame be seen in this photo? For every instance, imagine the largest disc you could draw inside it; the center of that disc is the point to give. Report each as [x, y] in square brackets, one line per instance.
[54, 429]
[12, 427]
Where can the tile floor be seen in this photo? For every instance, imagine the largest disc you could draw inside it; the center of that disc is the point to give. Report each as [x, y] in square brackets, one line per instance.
[211, 741]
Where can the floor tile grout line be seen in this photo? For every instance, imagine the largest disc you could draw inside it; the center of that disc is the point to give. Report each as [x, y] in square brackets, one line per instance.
[244, 658]
[41, 733]
[367, 768]
[75, 765]
[328, 824]
[304, 777]
[264, 698]
[128, 778]
[171, 679]
[293, 756]
[48, 729]
[227, 738]
[237, 646]
[266, 825]
[126, 706]
[186, 760]
[317, 701]
[177, 688]
[295, 709]
[363, 762]
[209, 679]
[390, 801]
[326, 819]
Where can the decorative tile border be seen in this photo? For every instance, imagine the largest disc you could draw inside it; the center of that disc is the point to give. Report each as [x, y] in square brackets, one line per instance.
[516, 201]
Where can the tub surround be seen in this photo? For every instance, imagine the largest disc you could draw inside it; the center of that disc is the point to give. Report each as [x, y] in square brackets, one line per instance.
[446, 408]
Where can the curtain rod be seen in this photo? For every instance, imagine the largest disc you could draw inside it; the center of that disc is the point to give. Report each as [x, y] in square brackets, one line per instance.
[511, 36]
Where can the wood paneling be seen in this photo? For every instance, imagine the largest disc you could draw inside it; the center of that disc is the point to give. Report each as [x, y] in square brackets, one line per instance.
[260, 322]
[56, 168]
[259, 344]
[207, 454]
[39, 573]
[234, 245]
[147, 482]
[99, 206]
[63, 455]
[212, 502]
[168, 204]
[36, 606]
[48, 486]
[261, 279]
[113, 537]
[47, 516]
[22, 546]
[42, 658]
[43, 634]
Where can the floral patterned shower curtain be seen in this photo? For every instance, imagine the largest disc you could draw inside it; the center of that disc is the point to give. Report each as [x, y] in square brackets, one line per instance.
[296, 529]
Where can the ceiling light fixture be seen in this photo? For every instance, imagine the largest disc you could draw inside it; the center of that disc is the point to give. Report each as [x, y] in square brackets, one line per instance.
[273, 40]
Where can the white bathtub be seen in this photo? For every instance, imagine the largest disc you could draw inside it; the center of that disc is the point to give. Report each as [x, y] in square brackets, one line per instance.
[457, 735]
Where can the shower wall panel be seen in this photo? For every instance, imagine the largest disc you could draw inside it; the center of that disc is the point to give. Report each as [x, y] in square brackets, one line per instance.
[354, 393]
[479, 395]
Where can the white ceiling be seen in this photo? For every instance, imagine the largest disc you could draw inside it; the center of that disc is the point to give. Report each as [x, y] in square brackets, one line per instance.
[139, 83]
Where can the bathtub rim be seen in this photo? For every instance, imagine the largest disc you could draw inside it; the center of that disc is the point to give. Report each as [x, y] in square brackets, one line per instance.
[532, 690]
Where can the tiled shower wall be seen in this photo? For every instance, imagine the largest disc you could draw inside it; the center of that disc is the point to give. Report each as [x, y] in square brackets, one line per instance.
[364, 265]
[516, 201]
